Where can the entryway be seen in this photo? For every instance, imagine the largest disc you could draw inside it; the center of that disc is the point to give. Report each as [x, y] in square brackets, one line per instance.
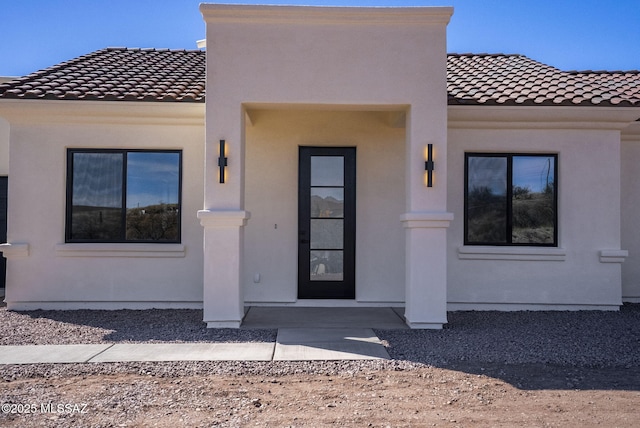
[326, 223]
[318, 333]
[329, 317]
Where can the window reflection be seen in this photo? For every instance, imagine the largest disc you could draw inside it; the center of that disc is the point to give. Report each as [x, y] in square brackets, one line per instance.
[152, 196]
[151, 190]
[97, 196]
[511, 199]
[486, 200]
[327, 234]
[533, 200]
[327, 170]
[327, 202]
[327, 266]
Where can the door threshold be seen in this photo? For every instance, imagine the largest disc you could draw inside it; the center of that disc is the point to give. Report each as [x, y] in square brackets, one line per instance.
[325, 303]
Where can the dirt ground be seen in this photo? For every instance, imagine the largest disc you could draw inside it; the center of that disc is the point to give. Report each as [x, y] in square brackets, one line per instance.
[498, 396]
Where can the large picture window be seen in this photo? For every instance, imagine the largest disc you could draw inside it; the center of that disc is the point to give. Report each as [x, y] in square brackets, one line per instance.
[123, 196]
[510, 199]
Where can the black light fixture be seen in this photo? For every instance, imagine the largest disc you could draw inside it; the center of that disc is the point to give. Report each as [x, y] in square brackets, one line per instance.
[429, 165]
[222, 161]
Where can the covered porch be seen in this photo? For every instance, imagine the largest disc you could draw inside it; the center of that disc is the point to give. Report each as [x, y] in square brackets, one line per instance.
[317, 130]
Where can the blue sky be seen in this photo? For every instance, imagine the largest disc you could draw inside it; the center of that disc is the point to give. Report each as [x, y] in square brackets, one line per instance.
[568, 34]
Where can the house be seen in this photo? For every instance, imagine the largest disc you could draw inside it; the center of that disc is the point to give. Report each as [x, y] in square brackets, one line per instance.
[341, 158]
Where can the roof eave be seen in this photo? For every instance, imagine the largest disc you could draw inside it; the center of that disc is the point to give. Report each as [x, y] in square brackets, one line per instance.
[38, 111]
[560, 117]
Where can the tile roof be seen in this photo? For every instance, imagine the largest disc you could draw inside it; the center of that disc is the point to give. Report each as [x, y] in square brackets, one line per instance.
[121, 74]
[511, 80]
[118, 74]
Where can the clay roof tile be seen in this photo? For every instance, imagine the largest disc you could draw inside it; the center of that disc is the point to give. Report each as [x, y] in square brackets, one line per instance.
[112, 74]
[164, 75]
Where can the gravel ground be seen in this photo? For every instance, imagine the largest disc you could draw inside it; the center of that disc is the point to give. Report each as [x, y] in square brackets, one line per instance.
[587, 339]
[124, 326]
[579, 339]
[498, 369]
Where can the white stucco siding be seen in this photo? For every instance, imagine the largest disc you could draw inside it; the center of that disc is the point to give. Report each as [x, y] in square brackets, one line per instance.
[321, 56]
[271, 238]
[58, 275]
[326, 59]
[630, 204]
[588, 223]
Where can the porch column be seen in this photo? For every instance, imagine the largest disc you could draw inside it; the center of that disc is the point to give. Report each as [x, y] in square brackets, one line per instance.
[223, 246]
[223, 216]
[426, 219]
[426, 269]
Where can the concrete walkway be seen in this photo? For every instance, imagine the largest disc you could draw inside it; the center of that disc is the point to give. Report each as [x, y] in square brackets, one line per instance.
[304, 334]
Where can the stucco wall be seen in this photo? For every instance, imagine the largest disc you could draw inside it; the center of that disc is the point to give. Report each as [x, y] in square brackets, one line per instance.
[271, 237]
[392, 60]
[588, 222]
[630, 161]
[323, 56]
[58, 275]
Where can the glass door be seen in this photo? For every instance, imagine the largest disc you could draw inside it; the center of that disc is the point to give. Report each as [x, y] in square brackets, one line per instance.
[326, 220]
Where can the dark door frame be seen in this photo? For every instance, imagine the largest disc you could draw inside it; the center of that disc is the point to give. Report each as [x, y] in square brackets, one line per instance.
[320, 289]
[4, 181]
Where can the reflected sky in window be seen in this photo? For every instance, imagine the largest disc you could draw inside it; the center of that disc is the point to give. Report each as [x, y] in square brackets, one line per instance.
[152, 178]
[327, 171]
[533, 172]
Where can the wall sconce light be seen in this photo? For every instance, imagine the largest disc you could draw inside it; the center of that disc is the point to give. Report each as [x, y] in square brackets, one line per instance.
[429, 165]
[222, 161]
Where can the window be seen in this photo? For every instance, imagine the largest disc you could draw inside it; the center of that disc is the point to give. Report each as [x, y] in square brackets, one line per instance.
[123, 196]
[510, 199]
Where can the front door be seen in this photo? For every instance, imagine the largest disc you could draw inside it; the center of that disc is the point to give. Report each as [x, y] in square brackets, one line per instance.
[3, 227]
[327, 223]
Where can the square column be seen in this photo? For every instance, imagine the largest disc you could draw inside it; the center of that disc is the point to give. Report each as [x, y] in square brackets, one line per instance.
[426, 269]
[426, 219]
[223, 247]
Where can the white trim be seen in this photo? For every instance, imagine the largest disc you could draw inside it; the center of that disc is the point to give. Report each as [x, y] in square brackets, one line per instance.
[511, 307]
[425, 325]
[613, 256]
[14, 250]
[413, 220]
[631, 133]
[223, 218]
[120, 250]
[322, 15]
[38, 112]
[223, 324]
[541, 117]
[631, 299]
[99, 305]
[471, 252]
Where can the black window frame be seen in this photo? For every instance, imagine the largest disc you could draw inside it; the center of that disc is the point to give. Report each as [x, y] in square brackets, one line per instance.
[122, 239]
[509, 198]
